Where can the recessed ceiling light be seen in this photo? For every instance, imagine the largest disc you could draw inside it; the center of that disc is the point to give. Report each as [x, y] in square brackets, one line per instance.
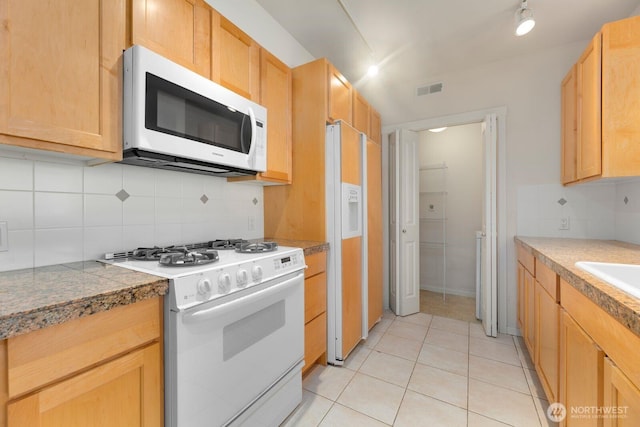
[373, 70]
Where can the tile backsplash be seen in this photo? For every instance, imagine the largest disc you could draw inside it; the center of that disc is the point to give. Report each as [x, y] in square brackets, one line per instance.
[61, 213]
[627, 204]
[595, 210]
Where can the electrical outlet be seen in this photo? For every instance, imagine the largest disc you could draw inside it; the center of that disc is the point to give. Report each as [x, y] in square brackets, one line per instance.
[251, 223]
[564, 223]
[4, 236]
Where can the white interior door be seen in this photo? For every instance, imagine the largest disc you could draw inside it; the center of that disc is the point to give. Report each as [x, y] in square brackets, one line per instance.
[489, 257]
[404, 230]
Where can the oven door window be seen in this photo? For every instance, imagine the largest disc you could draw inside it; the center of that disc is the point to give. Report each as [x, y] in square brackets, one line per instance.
[174, 110]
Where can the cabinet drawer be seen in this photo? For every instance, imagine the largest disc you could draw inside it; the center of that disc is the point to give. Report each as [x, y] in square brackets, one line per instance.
[43, 356]
[526, 259]
[315, 340]
[316, 263]
[549, 280]
[315, 296]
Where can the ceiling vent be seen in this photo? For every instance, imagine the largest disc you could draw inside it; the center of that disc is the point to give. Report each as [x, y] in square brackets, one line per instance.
[429, 89]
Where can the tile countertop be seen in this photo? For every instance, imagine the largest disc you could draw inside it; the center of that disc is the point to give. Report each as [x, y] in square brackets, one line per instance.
[561, 255]
[35, 298]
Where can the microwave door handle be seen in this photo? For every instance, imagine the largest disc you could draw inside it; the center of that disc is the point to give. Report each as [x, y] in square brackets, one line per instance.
[252, 147]
[222, 309]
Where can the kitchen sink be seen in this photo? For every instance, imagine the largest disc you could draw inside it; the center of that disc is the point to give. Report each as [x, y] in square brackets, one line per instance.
[625, 277]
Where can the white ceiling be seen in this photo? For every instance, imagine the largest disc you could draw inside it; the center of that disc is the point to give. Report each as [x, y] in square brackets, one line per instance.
[418, 41]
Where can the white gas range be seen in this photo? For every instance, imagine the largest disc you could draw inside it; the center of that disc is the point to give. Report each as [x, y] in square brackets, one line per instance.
[234, 330]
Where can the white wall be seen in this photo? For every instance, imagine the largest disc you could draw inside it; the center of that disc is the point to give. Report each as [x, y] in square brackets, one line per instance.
[460, 148]
[60, 213]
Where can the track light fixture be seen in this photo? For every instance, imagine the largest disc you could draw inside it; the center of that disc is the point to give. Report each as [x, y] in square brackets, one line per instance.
[524, 19]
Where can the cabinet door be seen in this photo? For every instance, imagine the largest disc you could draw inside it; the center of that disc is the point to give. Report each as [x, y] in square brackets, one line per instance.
[60, 75]
[529, 317]
[569, 120]
[275, 95]
[179, 30]
[340, 98]
[620, 94]
[547, 341]
[621, 398]
[361, 113]
[375, 126]
[521, 298]
[581, 368]
[124, 392]
[236, 59]
[374, 230]
[589, 72]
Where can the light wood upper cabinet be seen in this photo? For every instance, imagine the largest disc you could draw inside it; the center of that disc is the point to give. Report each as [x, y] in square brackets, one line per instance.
[340, 96]
[606, 94]
[361, 112]
[589, 111]
[569, 120]
[179, 30]
[60, 75]
[275, 96]
[620, 98]
[235, 59]
[375, 126]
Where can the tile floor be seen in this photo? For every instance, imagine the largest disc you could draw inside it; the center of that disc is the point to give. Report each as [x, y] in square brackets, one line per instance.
[425, 370]
[453, 306]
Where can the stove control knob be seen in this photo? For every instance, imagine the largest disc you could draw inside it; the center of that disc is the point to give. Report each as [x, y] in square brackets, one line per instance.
[204, 286]
[242, 278]
[224, 283]
[256, 273]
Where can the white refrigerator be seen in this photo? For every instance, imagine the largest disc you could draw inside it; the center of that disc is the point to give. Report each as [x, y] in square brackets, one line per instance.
[347, 321]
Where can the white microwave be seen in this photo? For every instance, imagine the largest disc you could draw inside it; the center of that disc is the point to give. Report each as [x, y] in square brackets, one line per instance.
[177, 119]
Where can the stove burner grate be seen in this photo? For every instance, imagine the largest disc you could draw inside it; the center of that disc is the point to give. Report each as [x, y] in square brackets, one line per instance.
[226, 244]
[251, 248]
[188, 258]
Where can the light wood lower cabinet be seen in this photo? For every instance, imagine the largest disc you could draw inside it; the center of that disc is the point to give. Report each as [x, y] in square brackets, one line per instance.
[621, 398]
[100, 370]
[122, 392]
[547, 329]
[584, 357]
[315, 307]
[529, 314]
[581, 365]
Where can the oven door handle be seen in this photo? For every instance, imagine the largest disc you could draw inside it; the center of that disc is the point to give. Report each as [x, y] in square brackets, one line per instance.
[222, 309]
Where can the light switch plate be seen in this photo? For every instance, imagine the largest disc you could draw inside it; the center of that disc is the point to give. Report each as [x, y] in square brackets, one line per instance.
[4, 236]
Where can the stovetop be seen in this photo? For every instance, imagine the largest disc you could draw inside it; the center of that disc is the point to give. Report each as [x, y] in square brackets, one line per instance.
[199, 274]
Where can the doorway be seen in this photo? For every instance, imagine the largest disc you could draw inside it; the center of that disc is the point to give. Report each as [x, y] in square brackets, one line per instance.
[451, 200]
[494, 207]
